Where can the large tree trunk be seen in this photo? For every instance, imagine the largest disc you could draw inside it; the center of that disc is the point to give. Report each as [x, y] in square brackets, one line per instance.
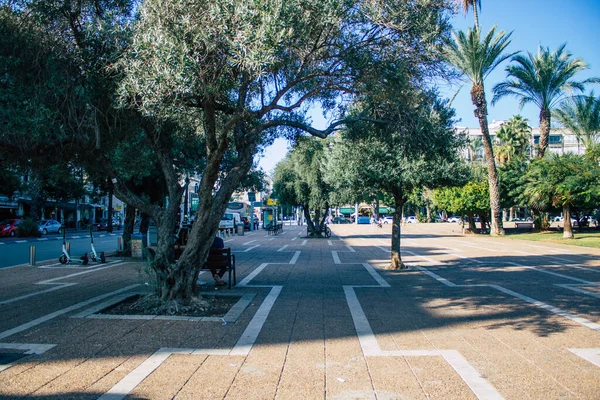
[144, 223]
[568, 229]
[396, 256]
[180, 284]
[478, 98]
[545, 120]
[128, 226]
[315, 227]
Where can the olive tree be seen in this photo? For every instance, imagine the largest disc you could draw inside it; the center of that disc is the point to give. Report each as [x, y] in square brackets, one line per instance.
[409, 144]
[239, 74]
[299, 180]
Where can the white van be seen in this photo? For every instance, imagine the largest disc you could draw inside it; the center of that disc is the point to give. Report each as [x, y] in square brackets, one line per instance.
[230, 220]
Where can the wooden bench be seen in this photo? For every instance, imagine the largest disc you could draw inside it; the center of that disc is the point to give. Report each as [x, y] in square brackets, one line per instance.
[217, 258]
[222, 258]
[524, 225]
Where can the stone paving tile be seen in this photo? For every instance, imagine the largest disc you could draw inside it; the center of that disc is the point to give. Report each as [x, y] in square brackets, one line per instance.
[260, 373]
[308, 347]
[393, 378]
[212, 379]
[168, 379]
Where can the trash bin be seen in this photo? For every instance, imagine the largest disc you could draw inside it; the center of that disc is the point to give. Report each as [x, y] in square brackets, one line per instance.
[240, 229]
[136, 245]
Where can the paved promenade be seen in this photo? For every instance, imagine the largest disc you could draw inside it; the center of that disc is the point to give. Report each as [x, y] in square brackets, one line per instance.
[473, 317]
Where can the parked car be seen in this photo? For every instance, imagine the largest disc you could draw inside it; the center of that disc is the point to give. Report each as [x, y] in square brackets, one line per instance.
[455, 219]
[102, 225]
[341, 220]
[9, 227]
[411, 219]
[388, 219]
[46, 226]
[363, 219]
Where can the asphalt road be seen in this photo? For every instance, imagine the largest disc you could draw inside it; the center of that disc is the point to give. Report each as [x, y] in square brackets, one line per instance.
[15, 251]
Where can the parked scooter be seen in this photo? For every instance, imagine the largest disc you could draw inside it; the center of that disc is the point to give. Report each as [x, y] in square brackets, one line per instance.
[65, 258]
[93, 255]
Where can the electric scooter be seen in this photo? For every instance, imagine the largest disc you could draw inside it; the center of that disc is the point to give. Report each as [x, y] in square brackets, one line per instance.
[93, 255]
[65, 258]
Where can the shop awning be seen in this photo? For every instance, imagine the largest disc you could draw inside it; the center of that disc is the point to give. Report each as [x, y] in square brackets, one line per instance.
[346, 210]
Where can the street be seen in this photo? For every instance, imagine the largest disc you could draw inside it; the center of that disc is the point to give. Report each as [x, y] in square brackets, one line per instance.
[15, 251]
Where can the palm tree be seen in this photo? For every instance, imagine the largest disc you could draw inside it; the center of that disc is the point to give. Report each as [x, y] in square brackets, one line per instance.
[513, 140]
[476, 58]
[581, 115]
[474, 144]
[466, 4]
[544, 80]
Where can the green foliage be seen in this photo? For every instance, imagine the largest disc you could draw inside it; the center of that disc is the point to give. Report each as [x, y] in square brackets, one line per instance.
[581, 116]
[474, 57]
[512, 141]
[298, 179]
[9, 181]
[542, 79]
[411, 145]
[472, 198]
[28, 228]
[560, 180]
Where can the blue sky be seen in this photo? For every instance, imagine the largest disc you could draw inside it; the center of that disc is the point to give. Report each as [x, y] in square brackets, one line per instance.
[549, 23]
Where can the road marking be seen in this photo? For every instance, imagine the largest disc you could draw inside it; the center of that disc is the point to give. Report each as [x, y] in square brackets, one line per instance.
[252, 241]
[134, 378]
[370, 347]
[382, 282]
[303, 242]
[250, 248]
[329, 243]
[241, 348]
[591, 355]
[574, 289]
[336, 258]
[246, 341]
[295, 257]
[28, 348]
[20, 241]
[476, 246]
[51, 282]
[580, 320]
[386, 250]
[15, 299]
[282, 248]
[466, 258]
[43, 239]
[58, 313]
[350, 248]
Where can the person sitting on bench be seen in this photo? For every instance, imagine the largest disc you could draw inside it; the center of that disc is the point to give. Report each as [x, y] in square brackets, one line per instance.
[218, 274]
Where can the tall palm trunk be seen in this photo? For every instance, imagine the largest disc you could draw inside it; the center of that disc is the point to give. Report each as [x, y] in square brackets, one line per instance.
[568, 229]
[545, 116]
[476, 15]
[478, 99]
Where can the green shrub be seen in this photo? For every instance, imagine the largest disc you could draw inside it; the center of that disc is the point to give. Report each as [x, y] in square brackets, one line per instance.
[28, 228]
